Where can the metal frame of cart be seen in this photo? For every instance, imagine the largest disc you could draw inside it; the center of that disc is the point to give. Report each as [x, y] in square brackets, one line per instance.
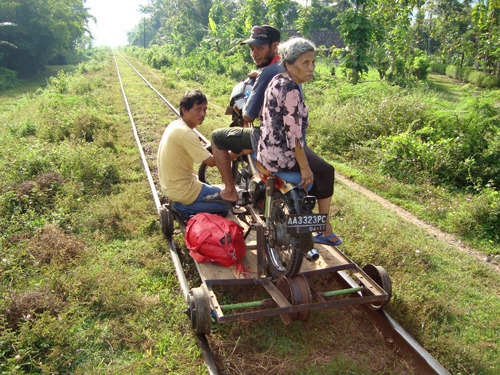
[290, 298]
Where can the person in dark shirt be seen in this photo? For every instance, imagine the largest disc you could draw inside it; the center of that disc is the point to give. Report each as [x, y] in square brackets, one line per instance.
[228, 143]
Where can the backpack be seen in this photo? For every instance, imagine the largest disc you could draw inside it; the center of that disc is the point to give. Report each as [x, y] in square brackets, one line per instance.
[212, 238]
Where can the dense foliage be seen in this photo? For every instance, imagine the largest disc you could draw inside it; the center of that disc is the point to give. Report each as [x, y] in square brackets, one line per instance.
[45, 31]
[419, 139]
[399, 38]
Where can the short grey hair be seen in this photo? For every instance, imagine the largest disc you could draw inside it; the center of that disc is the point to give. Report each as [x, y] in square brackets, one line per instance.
[292, 49]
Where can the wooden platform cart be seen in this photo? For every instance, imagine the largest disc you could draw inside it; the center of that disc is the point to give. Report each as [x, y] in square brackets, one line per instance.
[290, 298]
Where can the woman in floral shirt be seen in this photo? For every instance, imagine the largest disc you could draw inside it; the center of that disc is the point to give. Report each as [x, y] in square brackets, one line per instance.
[282, 143]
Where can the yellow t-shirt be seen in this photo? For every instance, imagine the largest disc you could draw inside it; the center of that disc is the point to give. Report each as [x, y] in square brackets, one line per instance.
[179, 149]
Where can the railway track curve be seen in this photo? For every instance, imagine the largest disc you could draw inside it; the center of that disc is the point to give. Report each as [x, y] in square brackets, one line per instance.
[394, 334]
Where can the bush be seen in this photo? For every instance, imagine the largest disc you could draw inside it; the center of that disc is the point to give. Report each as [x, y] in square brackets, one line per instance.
[69, 118]
[477, 78]
[23, 162]
[410, 159]
[461, 149]
[452, 71]
[438, 68]
[8, 78]
[59, 84]
[357, 121]
[479, 215]
[420, 67]
[490, 82]
[159, 57]
[93, 167]
[469, 74]
[463, 74]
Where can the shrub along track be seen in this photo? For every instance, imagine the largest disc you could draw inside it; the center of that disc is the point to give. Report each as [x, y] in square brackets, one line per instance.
[373, 348]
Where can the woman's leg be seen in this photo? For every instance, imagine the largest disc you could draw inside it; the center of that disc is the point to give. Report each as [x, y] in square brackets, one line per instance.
[324, 208]
[324, 176]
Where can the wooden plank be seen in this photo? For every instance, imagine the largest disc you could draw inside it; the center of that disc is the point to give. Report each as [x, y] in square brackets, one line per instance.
[328, 257]
[214, 271]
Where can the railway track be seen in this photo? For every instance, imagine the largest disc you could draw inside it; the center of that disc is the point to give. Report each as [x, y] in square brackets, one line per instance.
[147, 137]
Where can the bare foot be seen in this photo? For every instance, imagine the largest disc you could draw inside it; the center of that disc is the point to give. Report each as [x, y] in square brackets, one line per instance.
[232, 197]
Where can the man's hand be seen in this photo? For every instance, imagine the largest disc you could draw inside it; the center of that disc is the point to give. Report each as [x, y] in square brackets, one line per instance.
[210, 161]
[247, 121]
[253, 74]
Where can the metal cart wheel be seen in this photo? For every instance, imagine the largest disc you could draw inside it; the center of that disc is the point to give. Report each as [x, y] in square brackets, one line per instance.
[166, 221]
[199, 310]
[380, 276]
[297, 291]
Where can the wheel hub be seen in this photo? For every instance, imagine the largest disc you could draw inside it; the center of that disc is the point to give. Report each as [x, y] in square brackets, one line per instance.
[297, 291]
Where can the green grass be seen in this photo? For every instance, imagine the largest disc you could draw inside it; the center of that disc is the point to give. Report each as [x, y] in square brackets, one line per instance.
[445, 298]
[416, 146]
[87, 285]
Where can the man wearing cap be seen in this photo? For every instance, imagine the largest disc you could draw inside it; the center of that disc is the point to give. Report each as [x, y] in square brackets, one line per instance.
[227, 143]
[263, 42]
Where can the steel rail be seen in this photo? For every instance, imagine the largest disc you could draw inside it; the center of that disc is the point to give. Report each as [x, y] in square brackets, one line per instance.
[410, 349]
[205, 141]
[201, 338]
[136, 135]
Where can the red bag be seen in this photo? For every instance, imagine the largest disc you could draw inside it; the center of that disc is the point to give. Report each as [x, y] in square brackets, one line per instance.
[212, 238]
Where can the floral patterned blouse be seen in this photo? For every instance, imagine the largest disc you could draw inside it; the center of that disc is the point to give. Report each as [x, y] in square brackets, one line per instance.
[284, 121]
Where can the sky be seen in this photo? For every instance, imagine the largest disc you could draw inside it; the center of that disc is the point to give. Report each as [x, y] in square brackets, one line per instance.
[114, 19]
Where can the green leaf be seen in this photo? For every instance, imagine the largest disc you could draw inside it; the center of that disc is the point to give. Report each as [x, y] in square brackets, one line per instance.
[213, 26]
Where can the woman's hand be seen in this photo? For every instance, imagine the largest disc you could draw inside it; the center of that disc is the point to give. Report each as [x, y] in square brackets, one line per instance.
[307, 177]
[305, 171]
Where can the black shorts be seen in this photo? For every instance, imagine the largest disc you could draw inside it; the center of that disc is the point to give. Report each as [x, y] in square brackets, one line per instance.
[233, 139]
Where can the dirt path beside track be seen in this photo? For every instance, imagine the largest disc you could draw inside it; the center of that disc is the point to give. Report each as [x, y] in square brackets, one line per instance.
[432, 230]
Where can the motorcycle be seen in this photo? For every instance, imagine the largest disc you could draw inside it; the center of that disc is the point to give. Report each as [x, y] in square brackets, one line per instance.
[282, 205]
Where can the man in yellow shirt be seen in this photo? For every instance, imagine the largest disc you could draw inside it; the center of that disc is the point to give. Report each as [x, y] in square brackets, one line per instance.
[179, 149]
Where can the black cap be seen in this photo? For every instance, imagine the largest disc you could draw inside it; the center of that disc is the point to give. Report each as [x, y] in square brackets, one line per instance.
[261, 35]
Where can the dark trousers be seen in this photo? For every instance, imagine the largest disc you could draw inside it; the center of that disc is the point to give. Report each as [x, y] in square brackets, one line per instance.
[324, 175]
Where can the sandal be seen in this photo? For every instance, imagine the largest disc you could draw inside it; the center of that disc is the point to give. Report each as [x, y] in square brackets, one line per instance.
[325, 240]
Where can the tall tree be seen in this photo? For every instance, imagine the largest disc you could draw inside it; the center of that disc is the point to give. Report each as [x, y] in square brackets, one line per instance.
[45, 29]
[486, 22]
[452, 29]
[276, 12]
[357, 30]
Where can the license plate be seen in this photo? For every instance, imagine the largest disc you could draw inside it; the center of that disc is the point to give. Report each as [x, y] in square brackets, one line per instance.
[309, 222]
